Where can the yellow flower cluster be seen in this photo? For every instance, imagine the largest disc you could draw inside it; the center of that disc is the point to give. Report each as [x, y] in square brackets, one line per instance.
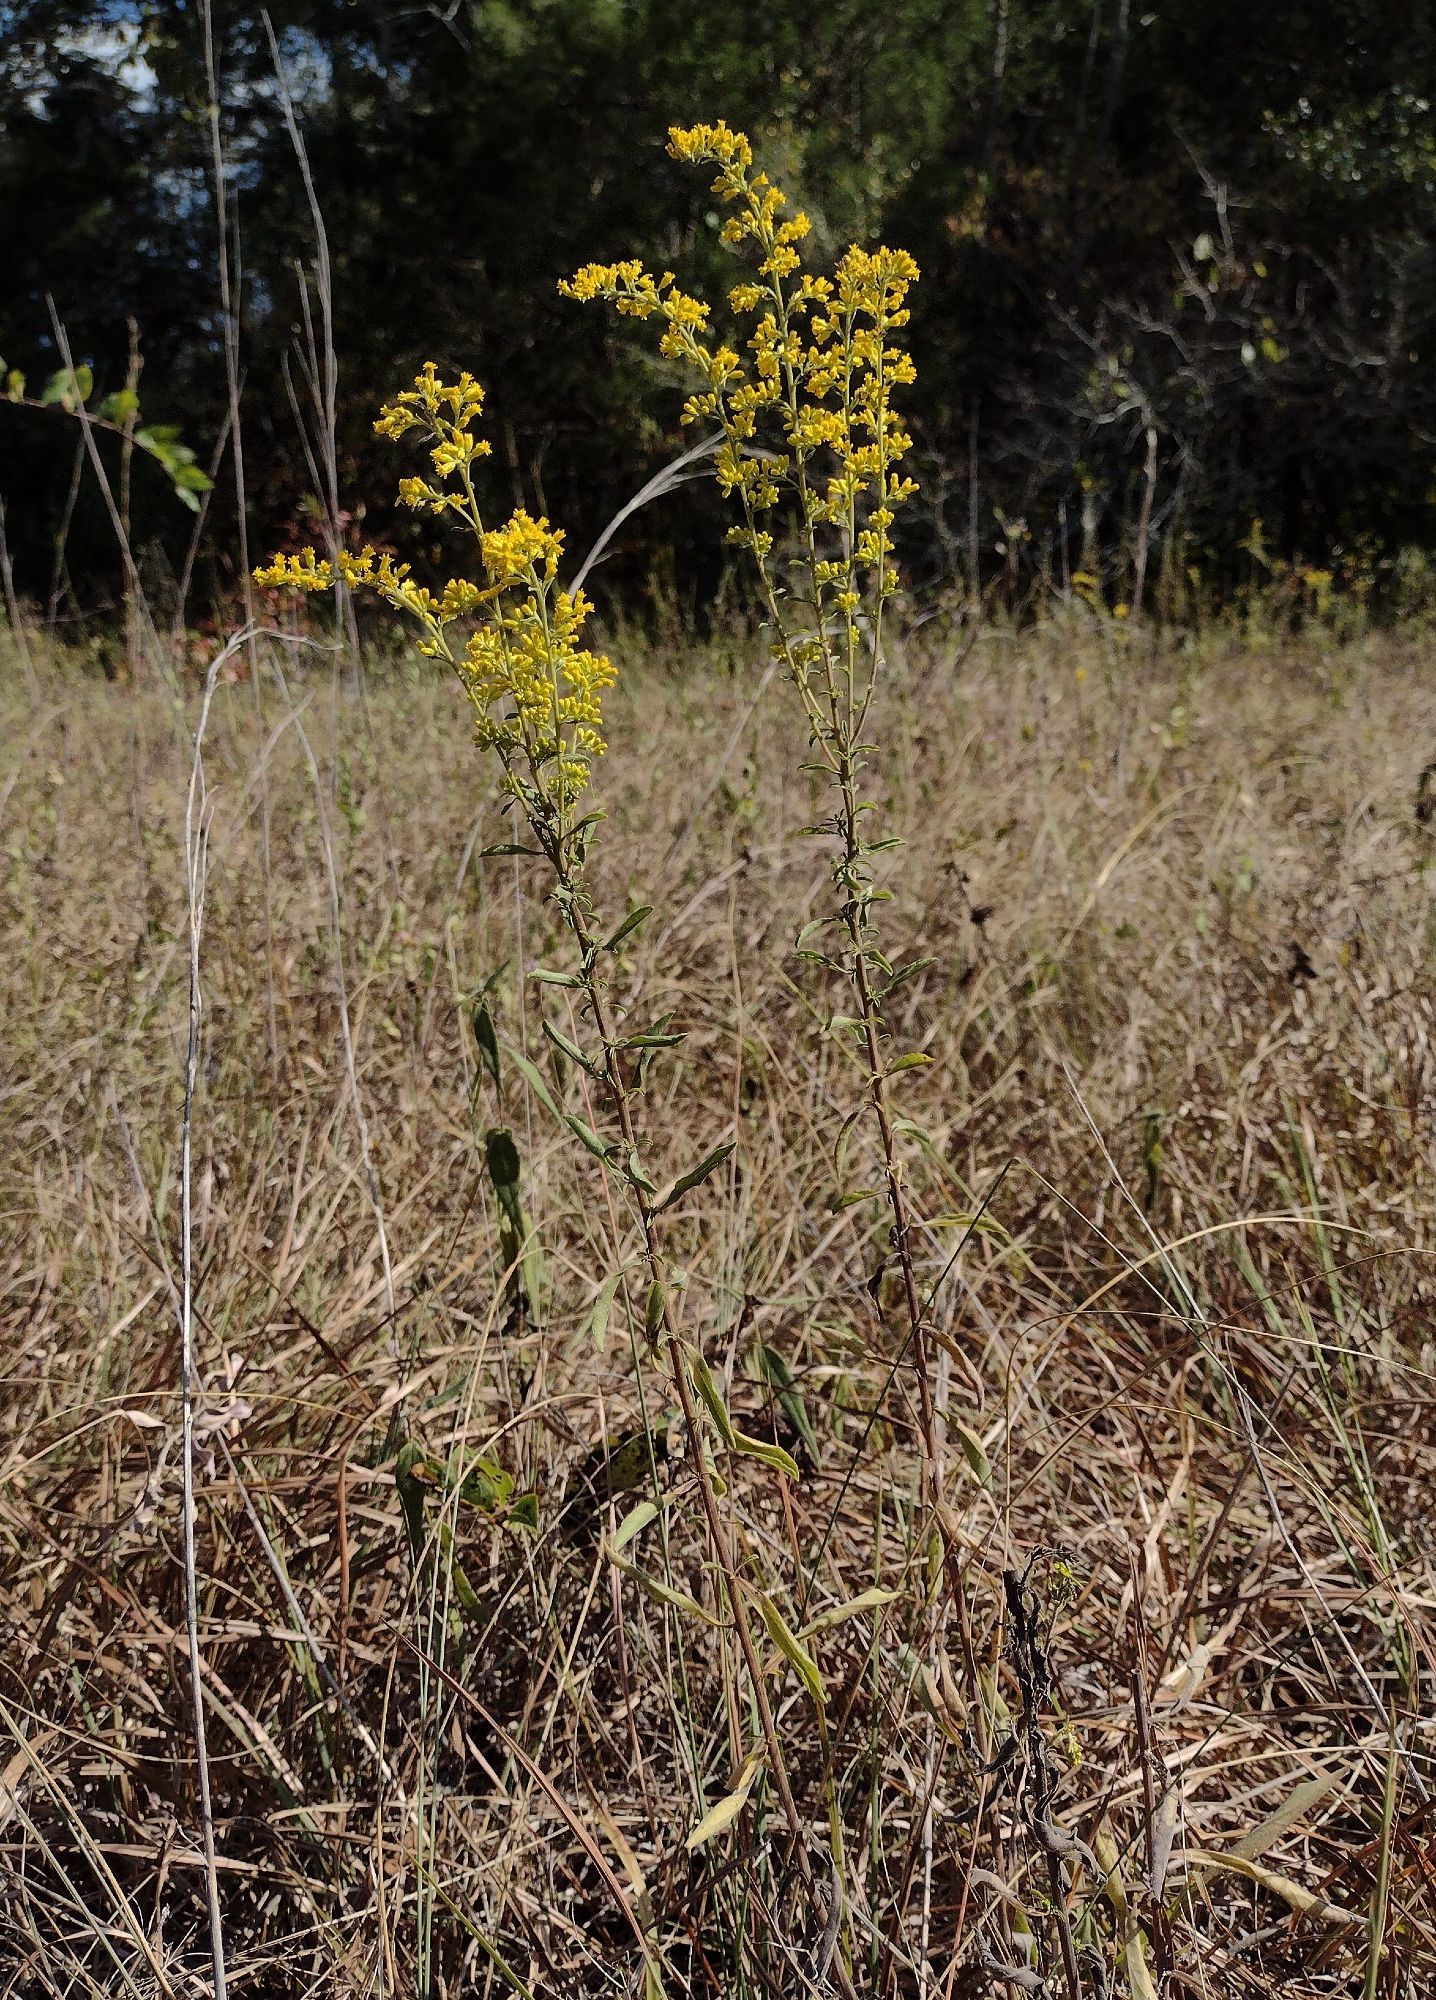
[366, 571]
[810, 409]
[446, 413]
[538, 693]
[536, 690]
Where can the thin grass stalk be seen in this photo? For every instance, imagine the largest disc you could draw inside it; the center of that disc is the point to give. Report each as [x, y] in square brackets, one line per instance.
[196, 538]
[133, 371]
[81, 1903]
[351, 1072]
[196, 848]
[59, 573]
[1381, 1889]
[229, 318]
[320, 356]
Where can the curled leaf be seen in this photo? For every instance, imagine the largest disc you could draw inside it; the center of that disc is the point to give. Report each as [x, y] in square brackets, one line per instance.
[664, 1593]
[1305, 1902]
[871, 1599]
[766, 1453]
[693, 1177]
[729, 1806]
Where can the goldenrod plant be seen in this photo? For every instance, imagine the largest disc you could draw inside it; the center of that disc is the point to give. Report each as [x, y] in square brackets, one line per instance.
[513, 637]
[812, 444]
[810, 450]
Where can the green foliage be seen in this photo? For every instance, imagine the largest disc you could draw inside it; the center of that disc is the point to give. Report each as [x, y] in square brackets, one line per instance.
[70, 390]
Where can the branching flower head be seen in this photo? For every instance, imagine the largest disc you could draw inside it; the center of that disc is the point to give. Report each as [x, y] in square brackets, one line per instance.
[514, 639]
[445, 413]
[804, 396]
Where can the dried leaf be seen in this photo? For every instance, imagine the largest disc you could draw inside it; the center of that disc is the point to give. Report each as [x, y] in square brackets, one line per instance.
[872, 1599]
[1305, 1902]
[1292, 1808]
[729, 1806]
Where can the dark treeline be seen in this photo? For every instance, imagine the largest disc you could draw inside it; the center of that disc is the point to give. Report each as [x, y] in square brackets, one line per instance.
[1177, 262]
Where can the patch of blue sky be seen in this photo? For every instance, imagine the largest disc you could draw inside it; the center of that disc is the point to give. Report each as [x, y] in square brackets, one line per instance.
[115, 38]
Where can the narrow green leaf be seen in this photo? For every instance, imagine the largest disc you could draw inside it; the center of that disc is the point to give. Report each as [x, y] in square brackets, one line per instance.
[585, 1135]
[518, 1245]
[603, 1307]
[487, 1042]
[534, 1078]
[791, 1647]
[633, 1523]
[571, 1049]
[845, 1134]
[774, 1369]
[664, 1593]
[769, 1454]
[973, 1449]
[694, 1176]
[913, 1061]
[653, 1312]
[984, 1225]
[851, 1200]
[637, 1174]
[708, 1390]
[411, 1489]
[630, 924]
[646, 1055]
[468, 1597]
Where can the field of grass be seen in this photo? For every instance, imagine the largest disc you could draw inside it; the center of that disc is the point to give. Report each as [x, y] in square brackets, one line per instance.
[1175, 1155]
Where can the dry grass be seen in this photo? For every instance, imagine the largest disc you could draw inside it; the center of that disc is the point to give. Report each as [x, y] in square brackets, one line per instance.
[1180, 1017]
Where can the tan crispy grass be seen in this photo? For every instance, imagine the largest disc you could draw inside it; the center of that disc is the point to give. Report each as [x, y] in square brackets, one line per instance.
[1180, 1021]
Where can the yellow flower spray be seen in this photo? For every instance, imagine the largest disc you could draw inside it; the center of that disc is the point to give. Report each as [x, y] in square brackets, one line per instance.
[514, 640]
